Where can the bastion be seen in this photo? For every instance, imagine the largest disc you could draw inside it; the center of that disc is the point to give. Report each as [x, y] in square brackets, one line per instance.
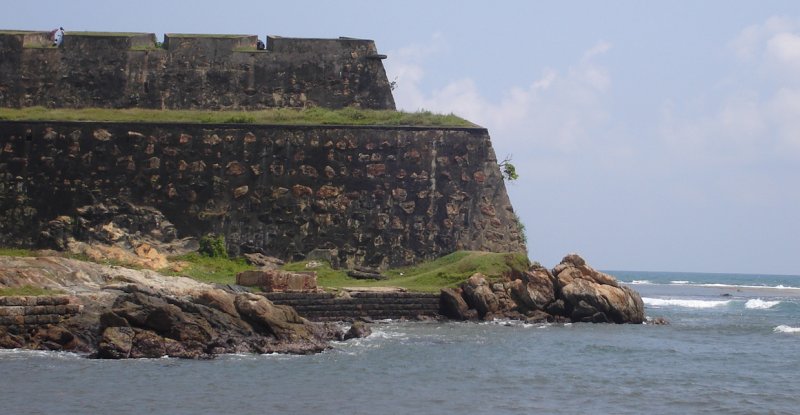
[372, 195]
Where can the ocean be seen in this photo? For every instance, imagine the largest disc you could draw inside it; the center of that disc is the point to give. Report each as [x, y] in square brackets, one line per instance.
[733, 347]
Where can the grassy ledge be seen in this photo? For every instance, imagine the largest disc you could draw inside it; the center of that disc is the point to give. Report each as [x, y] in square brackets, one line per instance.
[281, 116]
[209, 270]
[432, 276]
[27, 290]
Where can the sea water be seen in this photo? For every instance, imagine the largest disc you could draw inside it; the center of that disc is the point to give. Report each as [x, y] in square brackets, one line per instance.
[733, 347]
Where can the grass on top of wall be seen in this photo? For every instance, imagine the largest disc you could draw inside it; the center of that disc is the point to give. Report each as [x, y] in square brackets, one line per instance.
[281, 116]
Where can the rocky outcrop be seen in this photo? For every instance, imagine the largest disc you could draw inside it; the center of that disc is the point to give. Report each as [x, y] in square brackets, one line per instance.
[590, 295]
[572, 291]
[133, 314]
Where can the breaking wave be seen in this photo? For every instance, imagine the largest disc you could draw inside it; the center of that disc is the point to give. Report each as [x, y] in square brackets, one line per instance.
[661, 302]
[759, 304]
[786, 329]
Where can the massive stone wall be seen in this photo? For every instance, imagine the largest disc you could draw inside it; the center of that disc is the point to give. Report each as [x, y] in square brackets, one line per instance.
[378, 196]
[128, 70]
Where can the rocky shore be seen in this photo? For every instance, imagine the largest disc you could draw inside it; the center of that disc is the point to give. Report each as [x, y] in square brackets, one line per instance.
[116, 312]
[126, 313]
[572, 292]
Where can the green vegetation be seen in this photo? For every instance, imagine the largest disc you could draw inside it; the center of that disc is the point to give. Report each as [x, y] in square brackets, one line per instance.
[106, 34]
[17, 252]
[209, 269]
[206, 35]
[27, 290]
[521, 228]
[447, 271]
[213, 246]
[282, 116]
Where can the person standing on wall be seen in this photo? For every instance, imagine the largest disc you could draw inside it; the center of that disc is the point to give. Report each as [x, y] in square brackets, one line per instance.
[57, 36]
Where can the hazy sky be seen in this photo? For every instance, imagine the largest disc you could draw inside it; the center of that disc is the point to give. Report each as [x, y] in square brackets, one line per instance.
[647, 135]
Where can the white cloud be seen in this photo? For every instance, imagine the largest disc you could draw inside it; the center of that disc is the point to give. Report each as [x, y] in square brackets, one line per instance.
[749, 44]
[757, 118]
[559, 110]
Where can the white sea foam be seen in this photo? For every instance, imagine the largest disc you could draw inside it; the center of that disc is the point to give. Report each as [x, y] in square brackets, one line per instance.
[661, 302]
[786, 329]
[680, 282]
[759, 304]
[774, 287]
[638, 282]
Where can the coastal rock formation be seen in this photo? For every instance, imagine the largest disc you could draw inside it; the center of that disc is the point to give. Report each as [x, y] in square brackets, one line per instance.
[572, 291]
[130, 314]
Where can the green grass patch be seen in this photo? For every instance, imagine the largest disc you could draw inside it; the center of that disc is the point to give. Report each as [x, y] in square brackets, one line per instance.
[206, 35]
[106, 34]
[209, 270]
[27, 290]
[432, 276]
[281, 116]
[17, 252]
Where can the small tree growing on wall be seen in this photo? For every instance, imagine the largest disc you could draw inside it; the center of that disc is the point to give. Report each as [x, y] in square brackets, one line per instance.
[508, 169]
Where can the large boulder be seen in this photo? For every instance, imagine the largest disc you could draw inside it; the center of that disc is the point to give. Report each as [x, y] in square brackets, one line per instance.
[534, 291]
[480, 296]
[592, 296]
[452, 305]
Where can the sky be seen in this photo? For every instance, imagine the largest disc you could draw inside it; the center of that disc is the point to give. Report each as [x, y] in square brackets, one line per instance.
[658, 135]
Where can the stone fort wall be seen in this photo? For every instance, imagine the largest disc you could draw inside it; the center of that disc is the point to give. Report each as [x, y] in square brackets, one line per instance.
[378, 196]
[130, 70]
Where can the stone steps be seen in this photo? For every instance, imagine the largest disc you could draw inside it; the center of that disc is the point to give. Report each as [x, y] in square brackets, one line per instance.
[377, 306]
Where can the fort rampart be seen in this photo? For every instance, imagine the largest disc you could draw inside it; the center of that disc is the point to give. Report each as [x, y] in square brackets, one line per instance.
[131, 70]
[378, 196]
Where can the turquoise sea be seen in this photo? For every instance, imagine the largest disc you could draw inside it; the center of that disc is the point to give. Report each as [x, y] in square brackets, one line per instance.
[733, 347]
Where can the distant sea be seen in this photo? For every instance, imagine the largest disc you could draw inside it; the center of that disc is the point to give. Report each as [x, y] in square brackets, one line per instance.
[733, 347]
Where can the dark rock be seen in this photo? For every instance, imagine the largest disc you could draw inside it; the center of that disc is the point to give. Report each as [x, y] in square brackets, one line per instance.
[364, 275]
[116, 343]
[538, 317]
[658, 321]
[452, 305]
[260, 260]
[147, 344]
[111, 319]
[358, 330]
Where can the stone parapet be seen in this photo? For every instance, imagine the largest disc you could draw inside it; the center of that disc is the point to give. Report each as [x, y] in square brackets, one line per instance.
[131, 70]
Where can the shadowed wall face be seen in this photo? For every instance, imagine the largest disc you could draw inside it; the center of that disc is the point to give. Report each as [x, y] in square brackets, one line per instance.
[128, 70]
[375, 196]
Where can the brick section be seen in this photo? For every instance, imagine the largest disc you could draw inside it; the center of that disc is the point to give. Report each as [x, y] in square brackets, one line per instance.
[279, 281]
[377, 306]
[35, 311]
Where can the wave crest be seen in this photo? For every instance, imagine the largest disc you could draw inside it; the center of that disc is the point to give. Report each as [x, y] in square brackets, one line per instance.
[759, 304]
[786, 329]
[661, 302]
